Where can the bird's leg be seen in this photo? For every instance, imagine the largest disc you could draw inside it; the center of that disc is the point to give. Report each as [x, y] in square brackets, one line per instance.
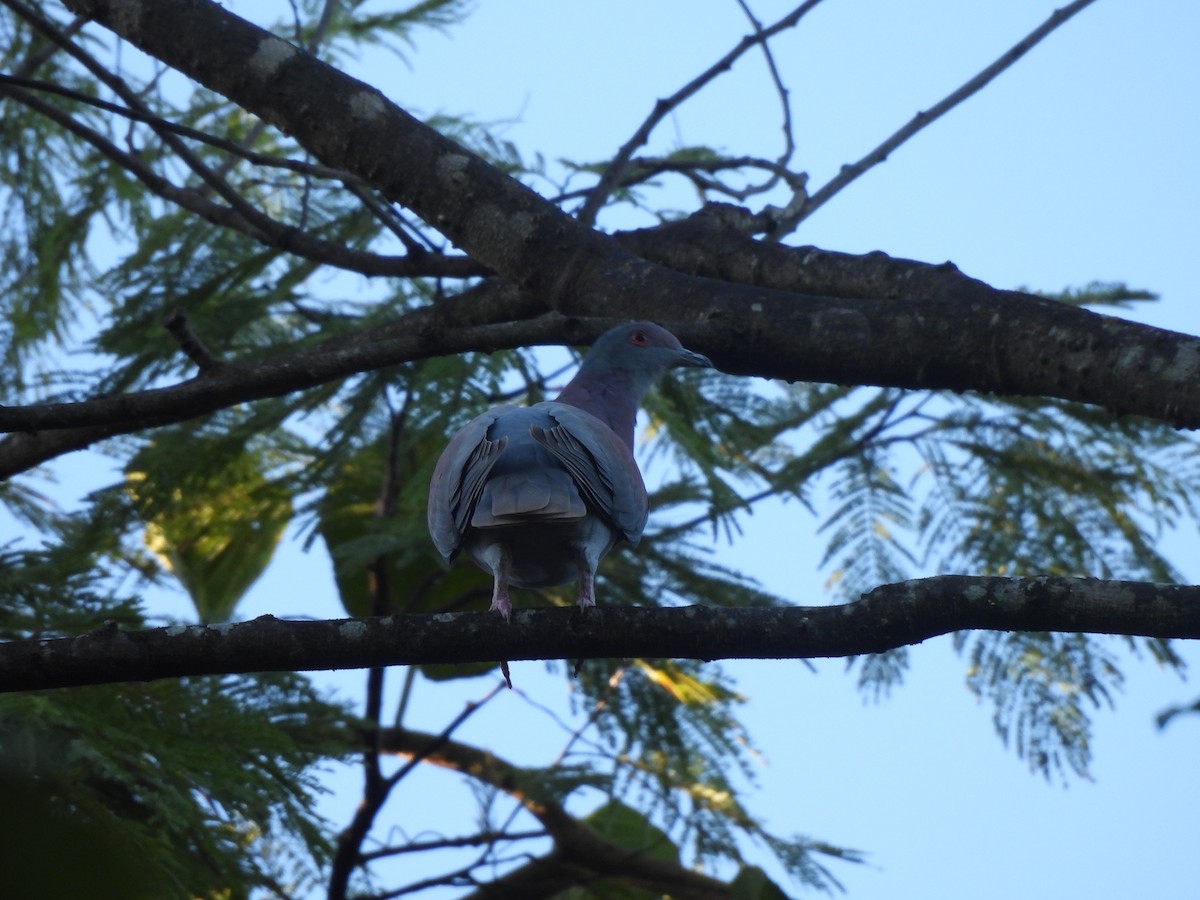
[587, 579]
[500, 599]
[587, 591]
[501, 564]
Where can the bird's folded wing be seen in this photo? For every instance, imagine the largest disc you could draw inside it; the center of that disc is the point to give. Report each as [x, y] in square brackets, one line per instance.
[458, 481]
[601, 466]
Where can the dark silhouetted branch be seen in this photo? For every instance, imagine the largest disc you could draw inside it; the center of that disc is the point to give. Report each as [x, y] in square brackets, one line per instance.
[887, 617]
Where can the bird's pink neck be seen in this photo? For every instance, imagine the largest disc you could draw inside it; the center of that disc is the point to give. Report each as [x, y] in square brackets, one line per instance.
[613, 404]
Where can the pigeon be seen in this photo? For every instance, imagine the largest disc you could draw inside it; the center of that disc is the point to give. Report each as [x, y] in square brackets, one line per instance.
[538, 495]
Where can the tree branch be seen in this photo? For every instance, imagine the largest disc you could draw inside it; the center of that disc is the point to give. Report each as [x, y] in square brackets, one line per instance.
[903, 324]
[950, 332]
[244, 218]
[616, 168]
[580, 854]
[887, 617]
[927, 117]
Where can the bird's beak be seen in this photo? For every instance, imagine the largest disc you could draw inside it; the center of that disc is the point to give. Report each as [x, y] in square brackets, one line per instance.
[691, 358]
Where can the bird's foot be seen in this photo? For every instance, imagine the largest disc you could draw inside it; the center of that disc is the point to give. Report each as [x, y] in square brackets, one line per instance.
[502, 605]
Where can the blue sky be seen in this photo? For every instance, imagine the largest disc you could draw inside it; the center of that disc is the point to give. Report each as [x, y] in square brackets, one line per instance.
[1078, 164]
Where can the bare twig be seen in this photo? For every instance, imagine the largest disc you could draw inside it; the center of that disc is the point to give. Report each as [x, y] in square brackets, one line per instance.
[789, 137]
[612, 175]
[38, 57]
[134, 115]
[348, 855]
[922, 119]
[474, 840]
[644, 168]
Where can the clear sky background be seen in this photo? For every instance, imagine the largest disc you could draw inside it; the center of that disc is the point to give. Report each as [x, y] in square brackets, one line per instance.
[1078, 164]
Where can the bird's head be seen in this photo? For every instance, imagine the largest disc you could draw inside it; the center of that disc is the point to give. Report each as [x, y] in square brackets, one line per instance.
[642, 351]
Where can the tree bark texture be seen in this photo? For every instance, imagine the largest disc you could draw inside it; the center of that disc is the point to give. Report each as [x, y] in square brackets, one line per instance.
[887, 617]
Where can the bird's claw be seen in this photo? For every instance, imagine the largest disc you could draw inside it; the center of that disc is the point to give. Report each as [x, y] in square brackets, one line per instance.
[502, 606]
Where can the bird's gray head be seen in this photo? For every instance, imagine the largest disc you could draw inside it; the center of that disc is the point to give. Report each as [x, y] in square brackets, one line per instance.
[639, 351]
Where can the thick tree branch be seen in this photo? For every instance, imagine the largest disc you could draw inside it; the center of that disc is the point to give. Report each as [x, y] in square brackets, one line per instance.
[887, 617]
[488, 318]
[902, 324]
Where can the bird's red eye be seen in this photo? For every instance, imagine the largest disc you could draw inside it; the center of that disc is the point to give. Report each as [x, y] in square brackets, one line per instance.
[639, 339]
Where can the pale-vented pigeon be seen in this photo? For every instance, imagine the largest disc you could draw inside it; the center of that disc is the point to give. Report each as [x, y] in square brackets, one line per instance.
[538, 495]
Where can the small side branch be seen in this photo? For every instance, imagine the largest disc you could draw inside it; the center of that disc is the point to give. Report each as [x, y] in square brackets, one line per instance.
[927, 117]
[616, 169]
[181, 329]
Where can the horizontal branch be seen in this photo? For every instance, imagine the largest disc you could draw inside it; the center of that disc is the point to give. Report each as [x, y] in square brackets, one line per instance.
[893, 322]
[489, 317]
[917, 327]
[887, 617]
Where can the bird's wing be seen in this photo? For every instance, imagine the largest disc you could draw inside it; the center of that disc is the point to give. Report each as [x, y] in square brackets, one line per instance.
[458, 480]
[599, 463]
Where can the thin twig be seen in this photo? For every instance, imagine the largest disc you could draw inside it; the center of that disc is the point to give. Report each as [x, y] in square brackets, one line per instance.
[474, 840]
[135, 115]
[922, 119]
[612, 175]
[647, 167]
[789, 138]
[469, 710]
[133, 100]
[349, 845]
[36, 59]
[261, 226]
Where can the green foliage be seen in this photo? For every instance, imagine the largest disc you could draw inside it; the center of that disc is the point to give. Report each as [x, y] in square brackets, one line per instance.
[680, 754]
[106, 864]
[216, 523]
[207, 780]
[628, 828]
[1043, 685]
[752, 884]
[198, 786]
